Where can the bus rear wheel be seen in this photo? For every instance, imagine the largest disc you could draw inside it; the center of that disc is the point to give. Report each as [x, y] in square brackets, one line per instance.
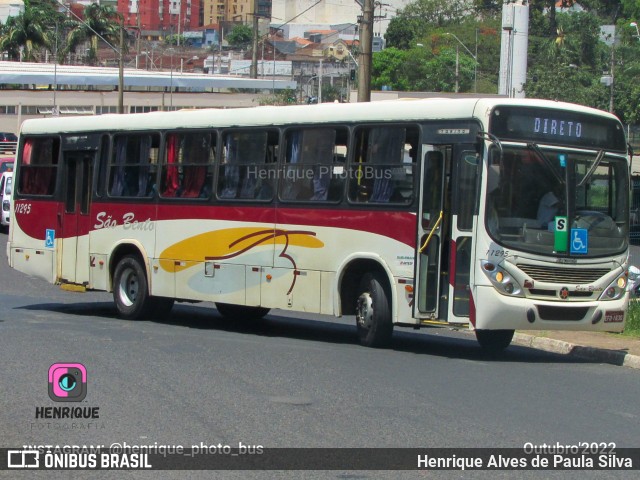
[494, 341]
[373, 312]
[130, 289]
[241, 312]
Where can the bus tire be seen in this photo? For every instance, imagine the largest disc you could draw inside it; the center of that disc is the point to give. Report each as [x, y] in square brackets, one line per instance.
[241, 312]
[494, 341]
[130, 289]
[373, 312]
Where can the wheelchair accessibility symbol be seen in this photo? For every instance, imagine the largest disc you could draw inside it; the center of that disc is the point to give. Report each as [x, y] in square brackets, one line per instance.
[579, 240]
[49, 238]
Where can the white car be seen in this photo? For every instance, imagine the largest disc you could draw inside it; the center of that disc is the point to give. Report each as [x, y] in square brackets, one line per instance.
[6, 182]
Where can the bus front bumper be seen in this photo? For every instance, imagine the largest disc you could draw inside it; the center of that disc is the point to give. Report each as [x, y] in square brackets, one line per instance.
[495, 311]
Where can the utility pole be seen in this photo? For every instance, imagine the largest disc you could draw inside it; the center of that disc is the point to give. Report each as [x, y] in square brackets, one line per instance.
[320, 83]
[366, 43]
[121, 71]
[254, 53]
[611, 91]
[457, 68]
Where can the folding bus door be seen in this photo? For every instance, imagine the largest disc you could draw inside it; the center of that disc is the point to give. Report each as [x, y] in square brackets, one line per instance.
[433, 218]
[465, 174]
[73, 216]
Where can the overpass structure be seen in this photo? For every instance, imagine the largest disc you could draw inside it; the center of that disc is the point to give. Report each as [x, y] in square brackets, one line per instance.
[36, 90]
[24, 73]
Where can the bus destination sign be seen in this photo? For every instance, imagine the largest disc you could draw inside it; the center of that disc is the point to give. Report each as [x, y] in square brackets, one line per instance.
[557, 127]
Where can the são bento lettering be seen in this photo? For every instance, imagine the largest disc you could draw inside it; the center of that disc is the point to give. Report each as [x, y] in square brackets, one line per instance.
[128, 222]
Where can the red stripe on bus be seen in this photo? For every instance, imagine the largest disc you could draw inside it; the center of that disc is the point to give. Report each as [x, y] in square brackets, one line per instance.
[45, 214]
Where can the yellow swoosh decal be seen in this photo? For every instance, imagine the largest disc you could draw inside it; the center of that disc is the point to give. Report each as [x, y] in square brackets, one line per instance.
[230, 243]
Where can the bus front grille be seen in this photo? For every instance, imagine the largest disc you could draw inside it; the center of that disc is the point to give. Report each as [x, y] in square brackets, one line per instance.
[571, 314]
[563, 274]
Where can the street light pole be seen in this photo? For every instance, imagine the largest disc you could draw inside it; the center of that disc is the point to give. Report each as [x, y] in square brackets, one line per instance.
[637, 35]
[171, 83]
[475, 59]
[457, 68]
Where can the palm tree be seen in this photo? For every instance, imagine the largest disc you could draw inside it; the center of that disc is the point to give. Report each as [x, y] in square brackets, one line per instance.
[101, 22]
[23, 35]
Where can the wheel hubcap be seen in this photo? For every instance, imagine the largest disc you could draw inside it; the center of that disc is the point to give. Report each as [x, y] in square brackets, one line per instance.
[128, 287]
[364, 310]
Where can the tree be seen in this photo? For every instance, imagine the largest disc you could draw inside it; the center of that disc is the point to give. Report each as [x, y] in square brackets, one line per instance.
[282, 97]
[101, 23]
[403, 33]
[175, 39]
[487, 7]
[25, 33]
[437, 12]
[387, 67]
[631, 9]
[567, 83]
[422, 69]
[411, 22]
[240, 36]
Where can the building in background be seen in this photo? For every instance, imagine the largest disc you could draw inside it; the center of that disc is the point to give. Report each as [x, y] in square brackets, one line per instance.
[333, 12]
[159, 18]
[10, 8]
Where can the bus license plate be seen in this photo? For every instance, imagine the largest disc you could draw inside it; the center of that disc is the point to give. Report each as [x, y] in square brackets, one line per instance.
[617, 316]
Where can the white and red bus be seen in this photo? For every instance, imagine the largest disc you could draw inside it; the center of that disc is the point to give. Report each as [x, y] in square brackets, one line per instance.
[496, 214]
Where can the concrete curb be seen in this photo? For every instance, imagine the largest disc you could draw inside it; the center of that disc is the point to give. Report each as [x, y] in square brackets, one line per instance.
[614, 357]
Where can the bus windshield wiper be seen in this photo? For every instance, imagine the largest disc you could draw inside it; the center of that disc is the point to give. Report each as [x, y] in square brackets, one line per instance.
[596, 162]
[547, 161]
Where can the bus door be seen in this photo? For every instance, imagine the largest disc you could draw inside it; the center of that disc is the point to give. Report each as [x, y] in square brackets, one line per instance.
[465, 176]
[432, 233]
[73, 215]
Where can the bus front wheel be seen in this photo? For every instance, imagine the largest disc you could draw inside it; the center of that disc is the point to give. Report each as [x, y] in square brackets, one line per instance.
[494, 341]
[130, 289]
[373, 312]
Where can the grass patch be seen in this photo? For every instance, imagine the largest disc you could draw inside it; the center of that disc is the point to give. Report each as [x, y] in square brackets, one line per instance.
[632, 327]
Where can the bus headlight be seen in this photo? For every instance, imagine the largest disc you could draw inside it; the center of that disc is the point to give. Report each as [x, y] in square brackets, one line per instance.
[501, 279]
[6, 206]
[616, 289]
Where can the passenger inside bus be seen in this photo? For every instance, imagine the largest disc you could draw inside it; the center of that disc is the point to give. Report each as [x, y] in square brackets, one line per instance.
[549, 207]
[133, 166]
[186, 172]
[310, 155]
[384, 162]
[244, 171]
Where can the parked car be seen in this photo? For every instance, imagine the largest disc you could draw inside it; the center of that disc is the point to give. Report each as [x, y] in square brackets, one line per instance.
[8, 142]
[6, 184]
[8, 137]
[6, 164]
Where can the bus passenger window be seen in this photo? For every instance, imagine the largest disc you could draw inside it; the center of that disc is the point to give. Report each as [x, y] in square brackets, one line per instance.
[246, 171]
[382, 170]
[314, 168]
[39, 164]
[187, 170]
[133, 167]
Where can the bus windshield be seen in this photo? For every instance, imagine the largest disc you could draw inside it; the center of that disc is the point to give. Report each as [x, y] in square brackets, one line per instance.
[558, 202]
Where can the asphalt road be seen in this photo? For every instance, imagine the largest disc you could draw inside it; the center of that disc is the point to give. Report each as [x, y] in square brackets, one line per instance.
[290, 380]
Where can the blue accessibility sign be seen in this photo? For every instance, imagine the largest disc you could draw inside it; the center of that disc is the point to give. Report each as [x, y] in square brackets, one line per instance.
[579, 241]
[49, 238]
